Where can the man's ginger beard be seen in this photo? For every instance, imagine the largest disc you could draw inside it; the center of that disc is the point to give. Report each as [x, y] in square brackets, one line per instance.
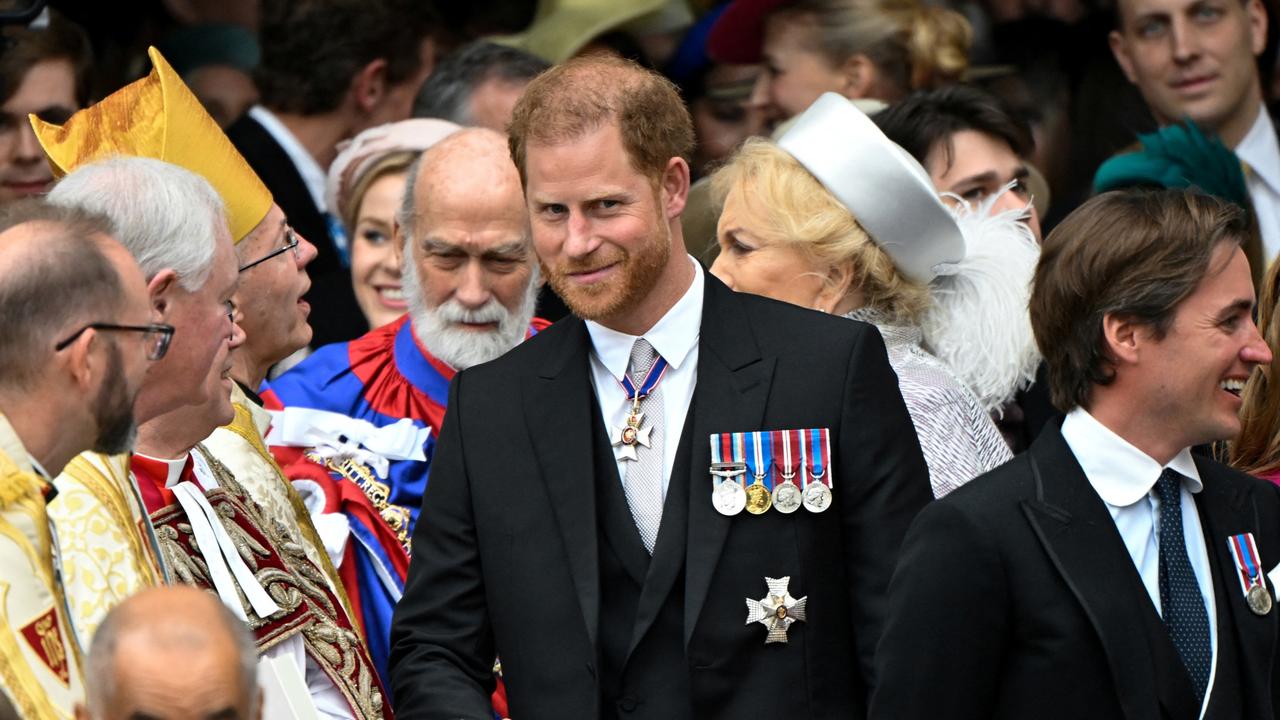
[633, 281]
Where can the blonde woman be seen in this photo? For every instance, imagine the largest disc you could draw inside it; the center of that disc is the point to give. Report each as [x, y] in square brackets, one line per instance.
[863, 242]
[366, 185]
[875, 49]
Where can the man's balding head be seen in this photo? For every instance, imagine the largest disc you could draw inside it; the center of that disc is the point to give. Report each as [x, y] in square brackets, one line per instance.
[469, 275]
[48, 252]
[172, 652]
[470, 166]
[65, 288]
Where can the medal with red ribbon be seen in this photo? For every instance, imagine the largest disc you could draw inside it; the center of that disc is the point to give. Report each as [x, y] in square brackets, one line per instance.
[728, 468]
[1249, 570]
[633, 434]
[787, 495]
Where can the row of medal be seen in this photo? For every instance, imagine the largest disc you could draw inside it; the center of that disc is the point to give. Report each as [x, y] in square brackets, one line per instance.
[778, 469]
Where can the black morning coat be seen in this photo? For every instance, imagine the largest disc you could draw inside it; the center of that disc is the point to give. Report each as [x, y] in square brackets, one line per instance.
[525, 547]
[1016, 598]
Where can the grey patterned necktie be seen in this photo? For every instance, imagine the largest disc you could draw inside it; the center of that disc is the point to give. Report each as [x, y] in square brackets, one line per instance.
[643, 483]
[1181, 604]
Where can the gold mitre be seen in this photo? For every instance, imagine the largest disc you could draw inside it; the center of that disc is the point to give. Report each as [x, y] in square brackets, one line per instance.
[159, 117]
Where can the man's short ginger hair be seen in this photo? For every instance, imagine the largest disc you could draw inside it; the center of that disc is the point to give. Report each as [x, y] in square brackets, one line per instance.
[582, 95]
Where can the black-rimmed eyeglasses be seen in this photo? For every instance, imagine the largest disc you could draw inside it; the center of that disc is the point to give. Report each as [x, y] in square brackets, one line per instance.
[156, 336]
[291, 243]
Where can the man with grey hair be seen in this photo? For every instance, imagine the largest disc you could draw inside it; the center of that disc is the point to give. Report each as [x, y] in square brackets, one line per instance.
[478, 85]
[69, 371]
[173, 222]
[130, 668]
[369, 410]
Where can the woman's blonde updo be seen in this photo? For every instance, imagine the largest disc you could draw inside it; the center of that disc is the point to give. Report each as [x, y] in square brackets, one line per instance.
[913, 46]
[781, 203]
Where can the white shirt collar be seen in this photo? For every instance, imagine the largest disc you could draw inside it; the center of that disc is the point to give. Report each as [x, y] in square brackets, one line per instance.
[673, 336]
[1119, 472]
[313, 176]
[1261, 151]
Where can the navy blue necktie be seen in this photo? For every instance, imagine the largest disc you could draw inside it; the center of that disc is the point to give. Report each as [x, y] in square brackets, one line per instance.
[1181, 603]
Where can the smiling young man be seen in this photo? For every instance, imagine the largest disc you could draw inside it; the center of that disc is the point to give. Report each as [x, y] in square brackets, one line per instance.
[569, 524]
[1108, 572]
[1198, 59]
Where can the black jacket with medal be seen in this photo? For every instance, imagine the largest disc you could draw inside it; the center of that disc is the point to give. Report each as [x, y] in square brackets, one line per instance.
[526, 548]
[1016, 598]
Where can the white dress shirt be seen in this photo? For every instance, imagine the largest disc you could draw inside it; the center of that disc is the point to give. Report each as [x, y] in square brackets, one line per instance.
[312, 174]
[1125, 477]
[675, 337]
[1260, 151]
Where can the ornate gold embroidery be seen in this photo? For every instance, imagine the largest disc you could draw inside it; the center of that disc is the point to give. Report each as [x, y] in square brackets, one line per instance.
[20, 684]
[338, 650]
[246, 429]
[105, 556]
[378, 492]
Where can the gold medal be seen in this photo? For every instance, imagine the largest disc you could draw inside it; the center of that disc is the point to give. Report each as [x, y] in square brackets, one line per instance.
[1259, 600]
[758, 499]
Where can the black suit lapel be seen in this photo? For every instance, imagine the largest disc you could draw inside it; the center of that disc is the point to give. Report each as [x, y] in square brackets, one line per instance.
[1226, 510]
[731, 395]
[558, 413]
[1081, 540]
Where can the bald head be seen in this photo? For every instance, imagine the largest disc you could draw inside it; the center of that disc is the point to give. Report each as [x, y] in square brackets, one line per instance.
[172, 652]
[49, 252]
[470, 168]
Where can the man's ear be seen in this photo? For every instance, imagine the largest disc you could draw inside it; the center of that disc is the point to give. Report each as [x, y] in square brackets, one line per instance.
[161, 290]
[1120, 49]
[398, 240]
[78, 360]
[675, 187]
[1257, 15]
[369, 86]
[1123, 338]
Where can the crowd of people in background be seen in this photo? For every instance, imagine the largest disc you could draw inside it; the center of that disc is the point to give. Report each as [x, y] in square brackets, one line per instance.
[377, 358]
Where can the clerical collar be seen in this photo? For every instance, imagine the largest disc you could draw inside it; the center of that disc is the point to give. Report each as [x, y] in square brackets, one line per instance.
[155, 476]
[673, 336]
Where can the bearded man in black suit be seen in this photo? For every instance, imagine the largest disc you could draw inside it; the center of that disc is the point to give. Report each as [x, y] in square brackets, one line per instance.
[569, 527]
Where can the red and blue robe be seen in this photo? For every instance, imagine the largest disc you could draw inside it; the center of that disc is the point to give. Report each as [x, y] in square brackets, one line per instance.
[381, 377]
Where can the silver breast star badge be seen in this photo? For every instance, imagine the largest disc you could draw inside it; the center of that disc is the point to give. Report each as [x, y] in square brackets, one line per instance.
[631, 435]
[777, 610]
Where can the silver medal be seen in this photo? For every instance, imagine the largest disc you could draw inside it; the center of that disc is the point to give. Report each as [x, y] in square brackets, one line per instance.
[817, 496]
[729, 497]
[787, 497]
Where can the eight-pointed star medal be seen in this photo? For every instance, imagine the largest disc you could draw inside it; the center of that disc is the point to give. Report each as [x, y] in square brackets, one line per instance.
[777, 610]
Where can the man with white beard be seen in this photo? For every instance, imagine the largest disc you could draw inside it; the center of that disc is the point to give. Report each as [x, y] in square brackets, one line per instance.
[368, 410]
